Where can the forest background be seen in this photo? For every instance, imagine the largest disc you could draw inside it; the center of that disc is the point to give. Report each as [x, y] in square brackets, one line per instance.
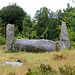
[46, 24]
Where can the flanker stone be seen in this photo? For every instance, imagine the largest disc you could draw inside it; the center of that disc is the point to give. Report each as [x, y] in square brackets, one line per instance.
[34, 45]
[9, 36]
[64, 38]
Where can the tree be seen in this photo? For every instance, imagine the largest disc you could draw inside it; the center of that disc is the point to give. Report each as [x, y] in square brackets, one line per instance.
[13, 14]
[42, 19]
[46, 24]
[33, 30]
[27, 25]
[2, 28]
[69, 18]
[73, 1]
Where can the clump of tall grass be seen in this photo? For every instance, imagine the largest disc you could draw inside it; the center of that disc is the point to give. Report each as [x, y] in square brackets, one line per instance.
[47, 70]
[42, 70]
[67, 70]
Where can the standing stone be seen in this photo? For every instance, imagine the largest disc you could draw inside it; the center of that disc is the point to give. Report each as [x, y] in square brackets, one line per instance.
[64, 38]
[9, 36]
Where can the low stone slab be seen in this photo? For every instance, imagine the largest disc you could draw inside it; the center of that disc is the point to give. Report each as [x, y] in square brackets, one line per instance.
[34, 45]
[12, 63]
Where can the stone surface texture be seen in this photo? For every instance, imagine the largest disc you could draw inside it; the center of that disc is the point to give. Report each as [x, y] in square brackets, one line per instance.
[34, 45]
[9, 36]
[64, 38]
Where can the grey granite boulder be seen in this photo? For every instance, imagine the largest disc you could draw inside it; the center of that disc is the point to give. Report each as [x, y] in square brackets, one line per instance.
[64, 38]
[12, 63]
[9, 36]
[34, 45]
[16, 63]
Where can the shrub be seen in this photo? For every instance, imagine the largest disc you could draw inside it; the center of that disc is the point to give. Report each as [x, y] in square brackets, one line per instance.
[2, 40]
[18, 37]
[72, 36]
[10, 51]
[68, 70]
[3, 47]
[45, 68]
[42, 70]
[73, 44]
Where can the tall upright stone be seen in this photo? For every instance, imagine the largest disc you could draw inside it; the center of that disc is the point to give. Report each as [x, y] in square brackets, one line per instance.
[64, 38]
[9, 36]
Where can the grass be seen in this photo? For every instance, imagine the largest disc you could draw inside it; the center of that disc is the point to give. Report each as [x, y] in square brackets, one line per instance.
[33, 60]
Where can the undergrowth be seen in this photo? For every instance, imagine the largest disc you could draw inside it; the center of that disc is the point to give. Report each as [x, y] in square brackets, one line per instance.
[42, 70]
[47, 70]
